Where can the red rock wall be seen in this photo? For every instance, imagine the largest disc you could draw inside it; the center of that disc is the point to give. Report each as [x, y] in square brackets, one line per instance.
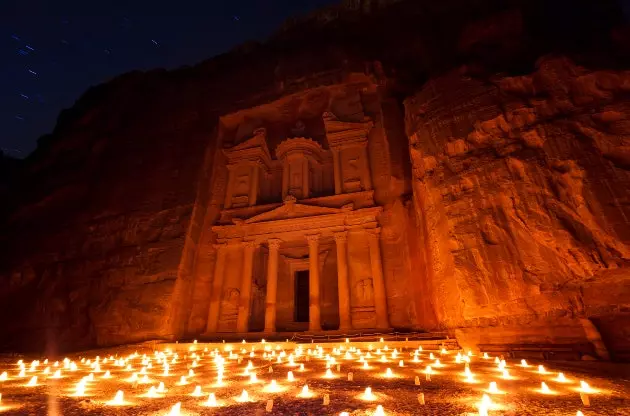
[521, 187]
[509, 224]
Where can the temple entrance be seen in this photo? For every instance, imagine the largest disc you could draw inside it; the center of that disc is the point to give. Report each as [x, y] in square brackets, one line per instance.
[301, 299]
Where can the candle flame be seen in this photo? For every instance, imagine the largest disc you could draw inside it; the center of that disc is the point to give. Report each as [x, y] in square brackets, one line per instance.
[119, 399]
[212, 400]
[492, 388]
[244, 397]
[305, 392]
[368, 395]
[175, 410]
[544, 388]
[32, 382]
[80, 388]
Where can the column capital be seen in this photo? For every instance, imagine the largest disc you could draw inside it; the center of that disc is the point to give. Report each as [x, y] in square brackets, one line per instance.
[274, 243]
[313, 239]
[218, 246]
[340, 236]
[374, 232]
[251, 244]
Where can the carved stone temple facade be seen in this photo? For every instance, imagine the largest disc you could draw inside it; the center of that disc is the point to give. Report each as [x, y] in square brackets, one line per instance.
[297, 242]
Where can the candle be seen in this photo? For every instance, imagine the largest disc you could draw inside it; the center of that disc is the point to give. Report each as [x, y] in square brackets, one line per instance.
[197, 392]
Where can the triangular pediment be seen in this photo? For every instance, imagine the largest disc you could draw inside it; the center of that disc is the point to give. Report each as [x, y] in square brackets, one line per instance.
[293, 210]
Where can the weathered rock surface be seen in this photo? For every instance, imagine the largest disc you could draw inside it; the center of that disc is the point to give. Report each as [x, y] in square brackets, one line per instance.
[516, 177]
[526, 209]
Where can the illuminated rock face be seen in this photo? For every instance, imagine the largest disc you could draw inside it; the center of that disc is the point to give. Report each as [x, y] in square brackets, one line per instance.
[521, 184]
[420, 193]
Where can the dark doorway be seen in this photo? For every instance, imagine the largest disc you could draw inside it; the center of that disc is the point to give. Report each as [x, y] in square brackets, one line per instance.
[301, 296]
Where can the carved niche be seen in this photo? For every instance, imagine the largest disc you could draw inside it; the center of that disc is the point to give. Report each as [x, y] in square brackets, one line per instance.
[247, 163]
[301, 167]
[348, 143]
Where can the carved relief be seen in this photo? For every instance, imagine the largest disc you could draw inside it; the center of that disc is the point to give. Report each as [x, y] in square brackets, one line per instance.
[363, 293]
[248, 162]
[302, 160]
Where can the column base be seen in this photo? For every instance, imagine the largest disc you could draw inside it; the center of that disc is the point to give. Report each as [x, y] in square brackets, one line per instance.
[283, 335]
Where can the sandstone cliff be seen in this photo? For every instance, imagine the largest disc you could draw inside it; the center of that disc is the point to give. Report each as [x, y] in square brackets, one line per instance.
[516, 175]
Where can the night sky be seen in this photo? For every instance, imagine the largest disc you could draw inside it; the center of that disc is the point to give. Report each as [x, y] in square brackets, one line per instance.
[52, 51]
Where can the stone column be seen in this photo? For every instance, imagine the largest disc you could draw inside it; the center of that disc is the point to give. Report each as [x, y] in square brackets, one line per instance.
[272, 285]
[216, 290]
[337, 171]
[253, 186]
[244, 300]
[367, 177]
[380, 295]
[285, 178]
[314, 321]
[342, 281]
[306, 176]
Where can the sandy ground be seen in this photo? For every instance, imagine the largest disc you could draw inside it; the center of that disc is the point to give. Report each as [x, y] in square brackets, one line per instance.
[446, 394]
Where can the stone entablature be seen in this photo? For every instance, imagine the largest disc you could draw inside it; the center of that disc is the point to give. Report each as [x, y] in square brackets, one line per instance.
[291, 221]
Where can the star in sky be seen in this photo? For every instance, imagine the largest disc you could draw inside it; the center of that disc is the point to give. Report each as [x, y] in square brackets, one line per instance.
[52, 52]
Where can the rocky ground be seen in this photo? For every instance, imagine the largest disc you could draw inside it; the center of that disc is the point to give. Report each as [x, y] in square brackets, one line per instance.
[447, 393]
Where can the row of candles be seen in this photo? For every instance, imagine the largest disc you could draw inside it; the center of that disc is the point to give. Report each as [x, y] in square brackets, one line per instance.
[168, 360]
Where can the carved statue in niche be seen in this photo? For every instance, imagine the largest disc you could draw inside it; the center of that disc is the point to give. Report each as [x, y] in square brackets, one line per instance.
[363, 292]
[299, 129]
[229, 305]
[353, 169]
[242, 184]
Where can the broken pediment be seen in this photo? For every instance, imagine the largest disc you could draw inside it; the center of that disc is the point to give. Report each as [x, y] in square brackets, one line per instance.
[344, 133]
[290, 209]
[252, 150]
